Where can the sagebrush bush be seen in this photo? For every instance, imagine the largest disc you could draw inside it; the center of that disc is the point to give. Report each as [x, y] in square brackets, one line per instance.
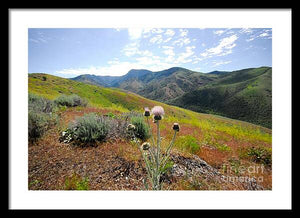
[39, 104]
[89, 128]
[40, 116]
[142, 130]
[37, 124]
[70, 101]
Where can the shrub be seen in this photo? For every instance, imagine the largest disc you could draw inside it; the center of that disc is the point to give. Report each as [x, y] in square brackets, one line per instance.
[40, 116]
[37, 124]
[70, 101]
[39, 104]
[89, 128]
[142, 130]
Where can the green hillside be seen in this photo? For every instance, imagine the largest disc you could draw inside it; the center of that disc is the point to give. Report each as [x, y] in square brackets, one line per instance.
[51, 87]
[243, 95]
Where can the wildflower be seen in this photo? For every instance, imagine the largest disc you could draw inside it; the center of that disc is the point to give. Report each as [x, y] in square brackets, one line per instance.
[130, 127]
[176, 127]
[158, 112]
[147, 112]
[146, 146]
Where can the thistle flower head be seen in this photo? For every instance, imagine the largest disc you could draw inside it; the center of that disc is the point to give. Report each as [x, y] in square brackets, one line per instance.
[130, 127]
[158, 112]
[176, 127]
[147, 112]
[146, 146]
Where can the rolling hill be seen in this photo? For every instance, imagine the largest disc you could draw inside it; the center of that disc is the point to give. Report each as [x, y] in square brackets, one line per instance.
[243, 95]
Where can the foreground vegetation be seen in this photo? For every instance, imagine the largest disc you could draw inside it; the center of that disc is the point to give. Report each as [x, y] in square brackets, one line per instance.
[100, 122]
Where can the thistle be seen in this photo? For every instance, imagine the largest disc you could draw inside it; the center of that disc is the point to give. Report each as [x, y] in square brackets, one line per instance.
[146, 146]
[176, 127]
[157, 112]
[147, 112]
[155, 161]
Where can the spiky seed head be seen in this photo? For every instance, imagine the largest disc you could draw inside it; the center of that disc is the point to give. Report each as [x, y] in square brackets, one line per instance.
[147, 112]
[176, 127]
[157, 117]
[146, 146]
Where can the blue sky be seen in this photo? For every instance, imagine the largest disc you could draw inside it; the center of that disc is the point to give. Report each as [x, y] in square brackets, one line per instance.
[70, 52]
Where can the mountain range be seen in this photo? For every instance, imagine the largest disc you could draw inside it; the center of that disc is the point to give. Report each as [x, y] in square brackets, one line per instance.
[243, 94]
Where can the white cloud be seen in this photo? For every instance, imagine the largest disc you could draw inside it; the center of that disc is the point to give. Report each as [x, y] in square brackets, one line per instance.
[183, 57]
[40, 39]
[250, 39]
[135, 33]
[183, 32]
[218, 63]
[182, 41]
[246, 31]
[168, 39]
[113, 69]
[131, 49]
[157, 30]
[170, 33]
[156, 39]
[34, 40]
[224, 47]
[146, 32]
[264, 34]
[169, 51]
[145, 53]
[219, 32]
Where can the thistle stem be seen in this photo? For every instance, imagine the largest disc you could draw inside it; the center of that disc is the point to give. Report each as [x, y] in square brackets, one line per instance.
[152, 138]
[158, 155]
[148, 168]
[164, 161]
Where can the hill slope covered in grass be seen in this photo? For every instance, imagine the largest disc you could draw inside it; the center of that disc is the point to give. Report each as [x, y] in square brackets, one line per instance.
[116, 164]
[243, 95]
